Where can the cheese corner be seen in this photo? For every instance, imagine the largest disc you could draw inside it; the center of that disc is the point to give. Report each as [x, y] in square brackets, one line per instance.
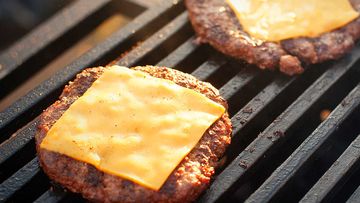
[134, 126]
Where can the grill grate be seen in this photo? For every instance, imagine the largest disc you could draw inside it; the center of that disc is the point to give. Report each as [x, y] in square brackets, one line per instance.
[308, 148]
[281, 150]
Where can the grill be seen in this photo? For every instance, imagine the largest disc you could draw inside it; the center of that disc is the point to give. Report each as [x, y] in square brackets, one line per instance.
[282, 149]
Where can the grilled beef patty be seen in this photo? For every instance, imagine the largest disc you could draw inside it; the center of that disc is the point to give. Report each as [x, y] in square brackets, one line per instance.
[185, 183]
[216, 24]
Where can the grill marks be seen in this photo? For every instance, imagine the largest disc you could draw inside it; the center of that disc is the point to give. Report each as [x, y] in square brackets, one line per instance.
[265, 99]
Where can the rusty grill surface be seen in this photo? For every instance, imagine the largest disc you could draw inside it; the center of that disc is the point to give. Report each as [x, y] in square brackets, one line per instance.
[282, 151]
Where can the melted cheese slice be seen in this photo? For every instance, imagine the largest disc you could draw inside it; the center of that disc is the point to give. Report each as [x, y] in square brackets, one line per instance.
[275, 20]
[133, 125]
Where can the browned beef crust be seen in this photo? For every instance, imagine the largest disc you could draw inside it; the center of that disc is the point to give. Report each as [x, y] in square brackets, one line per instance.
[216, 24]
[185, 183]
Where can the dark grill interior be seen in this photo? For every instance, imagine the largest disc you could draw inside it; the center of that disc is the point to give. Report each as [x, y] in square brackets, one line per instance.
[282, 149]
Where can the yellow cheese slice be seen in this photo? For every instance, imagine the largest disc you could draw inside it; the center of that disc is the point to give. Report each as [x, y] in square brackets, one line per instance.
[275, 20]
[133, 125]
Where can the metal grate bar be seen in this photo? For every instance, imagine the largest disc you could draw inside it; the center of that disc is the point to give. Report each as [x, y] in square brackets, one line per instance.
[15, 111]
[144, 3]
[17, 141]
[337, 172]
[262, 143]
[262, 98]
[51, 196]
[179, 54]
[239, 120]
[24, 136]
[209, 67]
[259, 102]
[47, 33]
[355, 196]
[154, 41]
[19, 179]
[244, 77]
[283, 173]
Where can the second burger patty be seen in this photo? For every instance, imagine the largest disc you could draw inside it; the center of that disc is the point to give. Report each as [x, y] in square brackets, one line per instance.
[185, 183]
[216, 24]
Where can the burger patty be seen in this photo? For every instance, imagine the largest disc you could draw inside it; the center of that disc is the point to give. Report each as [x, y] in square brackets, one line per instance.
[216, 24]
[184, 184]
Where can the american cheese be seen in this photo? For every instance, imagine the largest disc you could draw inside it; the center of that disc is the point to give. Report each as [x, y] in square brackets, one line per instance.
[275, 20]
[134, 126]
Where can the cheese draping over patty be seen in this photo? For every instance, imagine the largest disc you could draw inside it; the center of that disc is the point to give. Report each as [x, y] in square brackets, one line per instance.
[133, 125]
[275, 20]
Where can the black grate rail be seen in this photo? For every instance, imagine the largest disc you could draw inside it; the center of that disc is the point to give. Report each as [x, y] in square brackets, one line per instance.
[282, 149]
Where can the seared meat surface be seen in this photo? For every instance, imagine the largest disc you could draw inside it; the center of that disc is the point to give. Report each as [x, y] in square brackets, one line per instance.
[216, 24]
[186, 182]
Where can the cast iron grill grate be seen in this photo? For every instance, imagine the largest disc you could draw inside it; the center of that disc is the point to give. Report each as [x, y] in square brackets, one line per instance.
[281, 152]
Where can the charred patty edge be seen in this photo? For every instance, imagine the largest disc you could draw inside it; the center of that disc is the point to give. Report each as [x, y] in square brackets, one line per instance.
[215, 23]
[186, 182]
